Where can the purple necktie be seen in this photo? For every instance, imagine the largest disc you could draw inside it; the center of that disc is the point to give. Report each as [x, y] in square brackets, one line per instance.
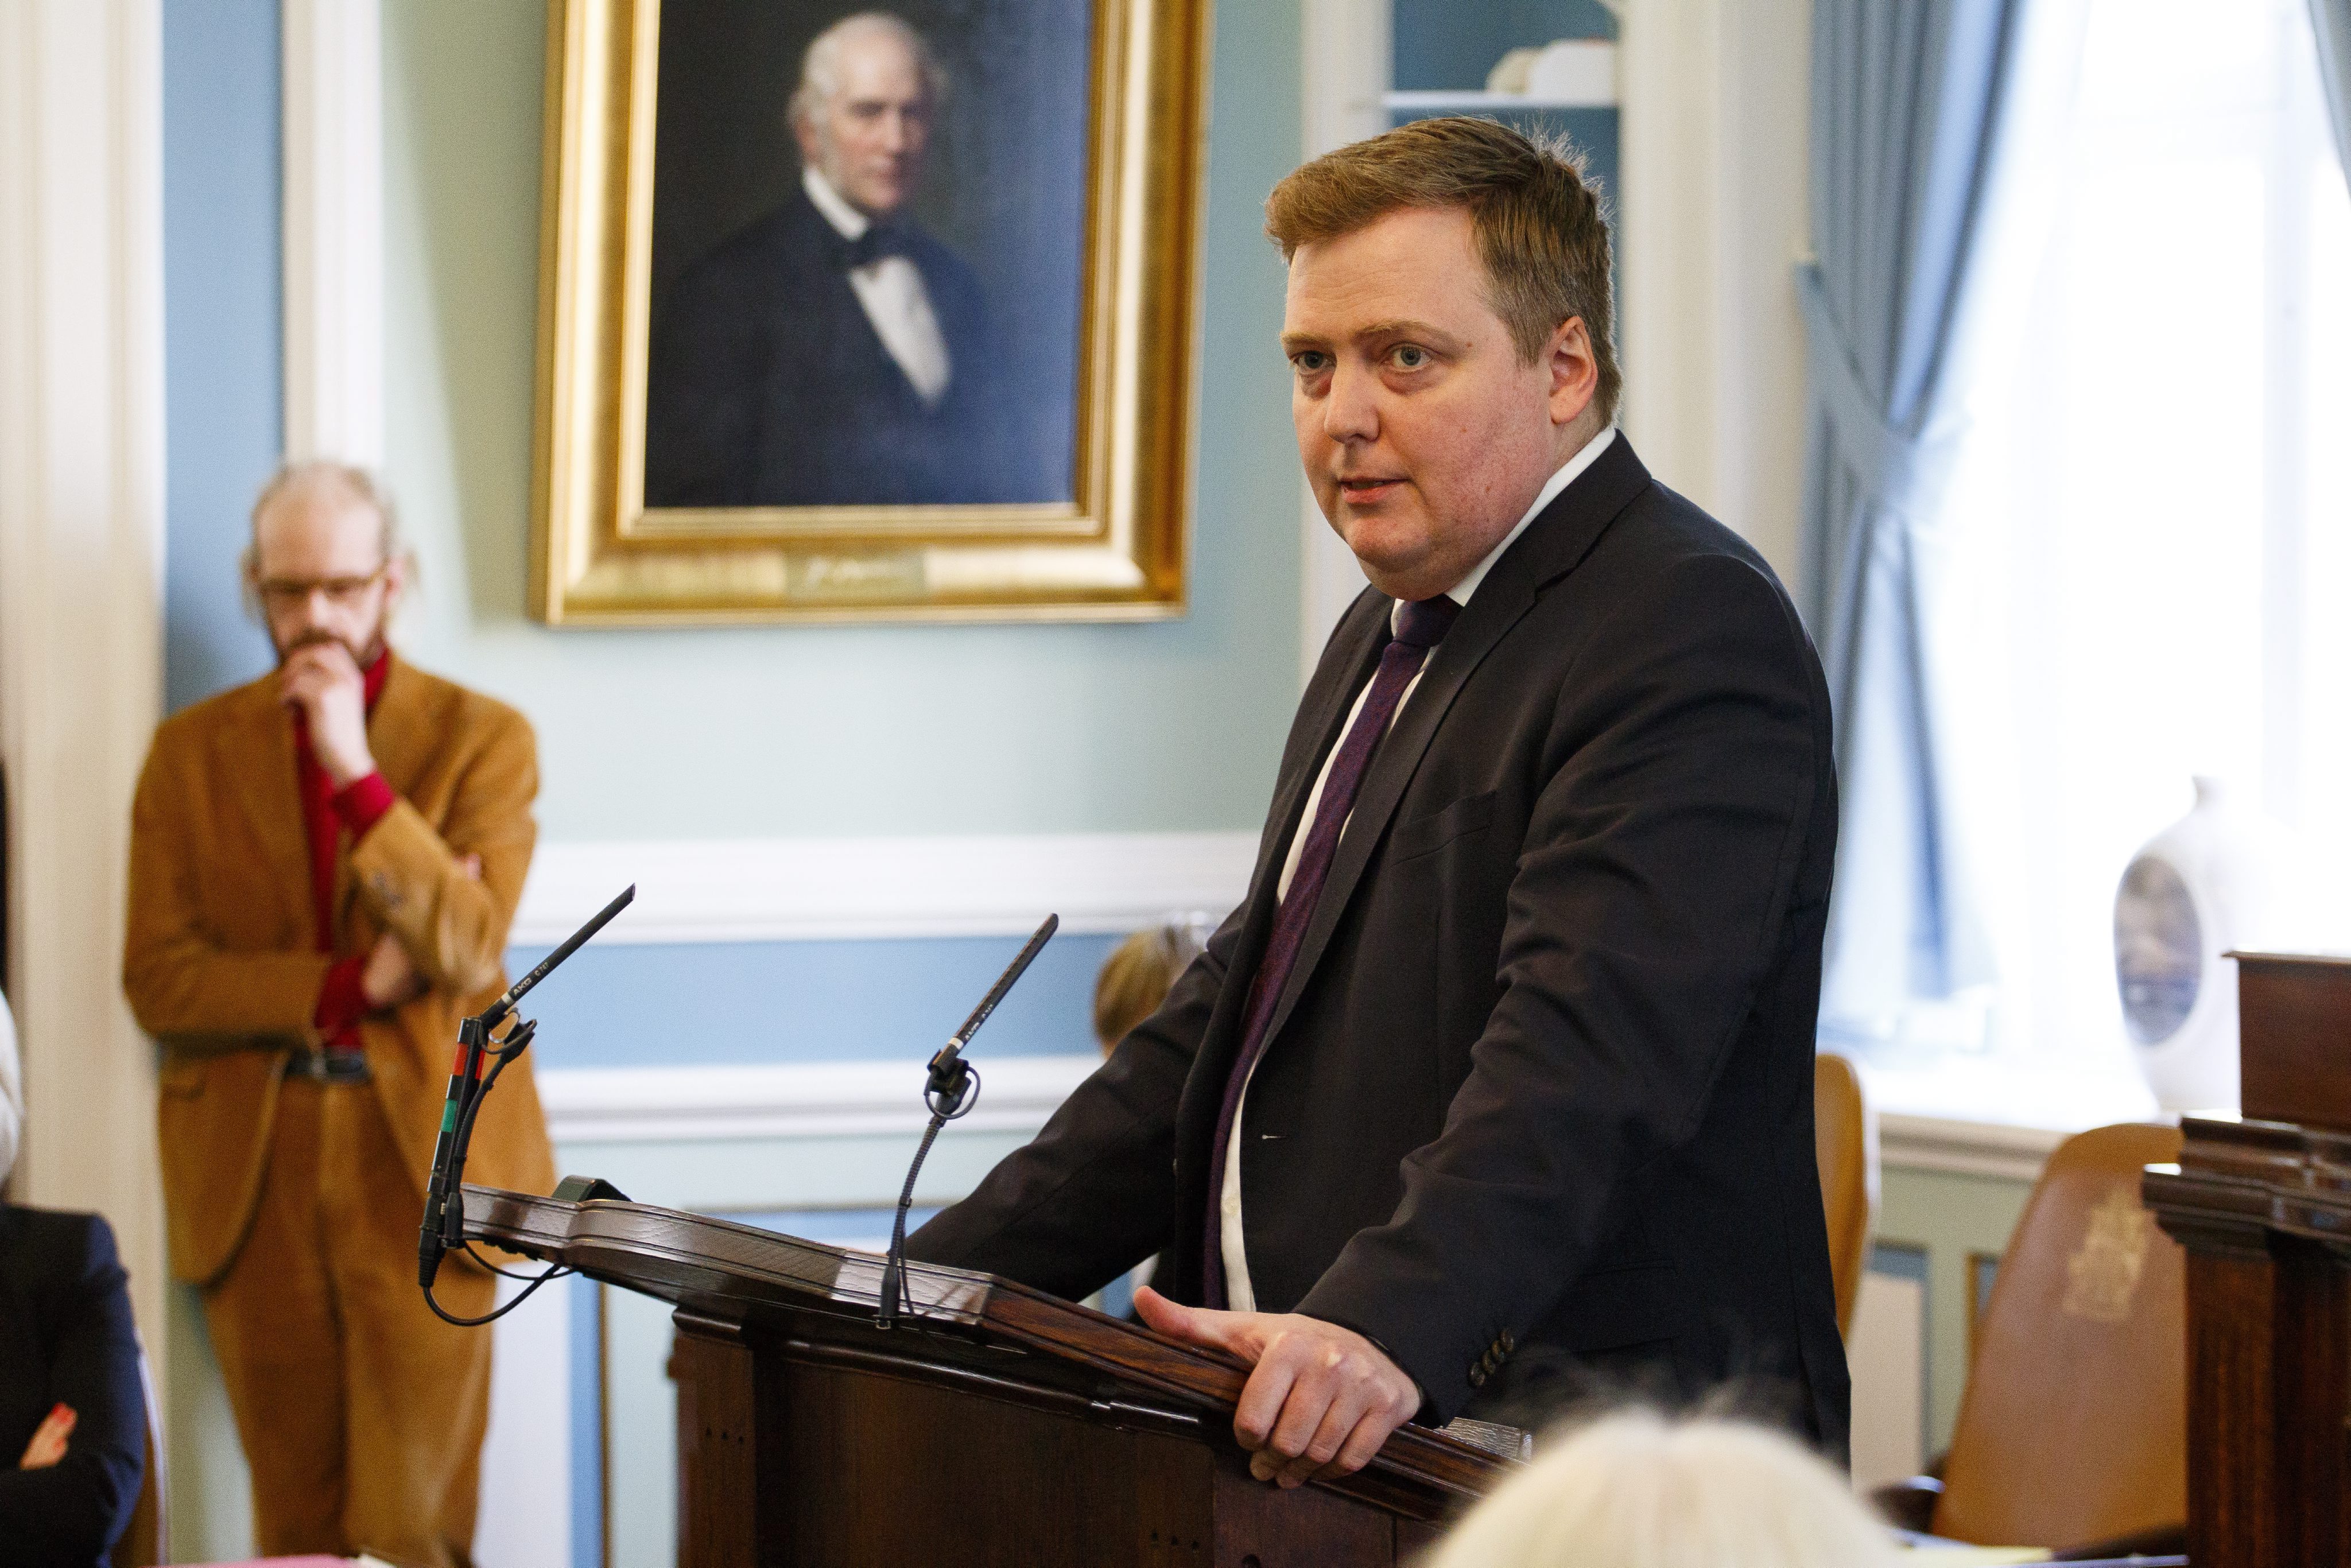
[1419, 625]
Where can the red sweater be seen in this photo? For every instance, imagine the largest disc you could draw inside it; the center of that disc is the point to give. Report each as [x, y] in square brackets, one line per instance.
[326, 814]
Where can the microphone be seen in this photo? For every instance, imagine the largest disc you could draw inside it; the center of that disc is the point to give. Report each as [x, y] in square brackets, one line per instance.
[950, 1075]
[443, 1227]
[950, 1092]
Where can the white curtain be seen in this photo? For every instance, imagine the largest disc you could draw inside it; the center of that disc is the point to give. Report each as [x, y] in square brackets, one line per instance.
[2331, 19]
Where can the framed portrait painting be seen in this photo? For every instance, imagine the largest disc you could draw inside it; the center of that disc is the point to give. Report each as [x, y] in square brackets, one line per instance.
[860, 313]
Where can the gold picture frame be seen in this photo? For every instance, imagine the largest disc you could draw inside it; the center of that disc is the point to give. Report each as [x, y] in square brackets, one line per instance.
[1115, 551]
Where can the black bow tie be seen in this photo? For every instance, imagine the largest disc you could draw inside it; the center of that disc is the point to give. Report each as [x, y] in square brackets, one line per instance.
[879, 240]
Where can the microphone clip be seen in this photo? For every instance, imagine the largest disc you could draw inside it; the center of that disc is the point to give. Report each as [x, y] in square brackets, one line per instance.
[951, 1079]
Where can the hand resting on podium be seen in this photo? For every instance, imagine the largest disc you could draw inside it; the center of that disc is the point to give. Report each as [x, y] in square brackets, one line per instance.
[1320, 1399]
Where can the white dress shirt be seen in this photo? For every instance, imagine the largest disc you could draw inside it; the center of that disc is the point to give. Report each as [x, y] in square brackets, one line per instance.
[891, 292]
[1232, 1241]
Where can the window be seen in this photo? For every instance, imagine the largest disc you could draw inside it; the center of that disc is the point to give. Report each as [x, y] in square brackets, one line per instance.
[2151, 526]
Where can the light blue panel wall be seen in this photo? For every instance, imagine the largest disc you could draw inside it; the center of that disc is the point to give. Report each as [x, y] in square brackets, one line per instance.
[828, 730]
[739, 1002]
[222, 422]
[223, 359]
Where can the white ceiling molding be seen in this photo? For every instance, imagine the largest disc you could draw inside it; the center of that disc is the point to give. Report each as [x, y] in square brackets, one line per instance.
[333, 129]
[773, 890]
[81, 564]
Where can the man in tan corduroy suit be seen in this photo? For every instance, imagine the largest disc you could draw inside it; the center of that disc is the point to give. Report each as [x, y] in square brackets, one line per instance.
[323, 866]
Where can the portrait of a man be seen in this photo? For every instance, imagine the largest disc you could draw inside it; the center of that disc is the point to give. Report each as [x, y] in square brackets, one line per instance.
[834, 350]
[850, 313]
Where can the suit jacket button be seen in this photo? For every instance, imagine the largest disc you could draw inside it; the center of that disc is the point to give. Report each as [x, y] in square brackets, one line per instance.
[1477, 1377]
[1508, 1344]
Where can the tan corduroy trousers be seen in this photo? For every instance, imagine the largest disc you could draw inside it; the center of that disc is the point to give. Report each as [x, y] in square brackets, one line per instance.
[362, 1414]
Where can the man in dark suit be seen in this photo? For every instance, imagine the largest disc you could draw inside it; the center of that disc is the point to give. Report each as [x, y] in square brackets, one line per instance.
[1498, 1086]
[73, 1418]
[833, 352]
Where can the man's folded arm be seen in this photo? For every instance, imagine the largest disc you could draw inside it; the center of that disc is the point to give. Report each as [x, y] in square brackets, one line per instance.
[453, 923]
[178, 980]
[1094, 1193]
[69, 1511]
[1649, 901]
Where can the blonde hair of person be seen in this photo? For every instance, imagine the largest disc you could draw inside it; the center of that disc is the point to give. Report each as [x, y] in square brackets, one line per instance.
[1637, 1490]
[1136, 978]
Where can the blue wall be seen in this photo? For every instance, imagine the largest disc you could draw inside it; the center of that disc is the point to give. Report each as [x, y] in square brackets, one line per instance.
[744, 1003]
[223, 356]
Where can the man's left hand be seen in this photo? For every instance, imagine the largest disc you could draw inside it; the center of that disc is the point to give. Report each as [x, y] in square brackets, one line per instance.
[1321, 1400]
[323, 680]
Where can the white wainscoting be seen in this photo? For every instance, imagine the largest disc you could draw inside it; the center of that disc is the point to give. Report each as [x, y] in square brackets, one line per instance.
[780, 890]
[799, 1099]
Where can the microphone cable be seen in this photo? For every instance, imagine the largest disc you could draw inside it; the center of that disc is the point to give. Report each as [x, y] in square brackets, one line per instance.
[508, 1046]
[945, 1106]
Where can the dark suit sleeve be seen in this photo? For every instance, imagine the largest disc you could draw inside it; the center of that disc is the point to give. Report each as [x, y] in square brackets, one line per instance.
[1094, 1194]
[72, 1511]
[1686, 751]
[701, 382]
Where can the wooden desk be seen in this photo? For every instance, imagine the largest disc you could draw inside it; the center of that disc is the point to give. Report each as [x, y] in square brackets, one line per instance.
[993, 1424]
[2262, 1202]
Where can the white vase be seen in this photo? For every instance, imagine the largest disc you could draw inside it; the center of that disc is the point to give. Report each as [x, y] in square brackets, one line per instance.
[2196, 890]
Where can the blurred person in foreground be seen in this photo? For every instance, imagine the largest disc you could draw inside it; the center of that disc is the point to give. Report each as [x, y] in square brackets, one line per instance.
[73, 1418]
[1498, 1084]
[1635, 1490]
[323, 866]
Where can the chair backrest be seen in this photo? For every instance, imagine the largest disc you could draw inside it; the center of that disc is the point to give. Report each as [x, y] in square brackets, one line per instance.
[145, 1542]
[1844, 1140]
[2073, 1428]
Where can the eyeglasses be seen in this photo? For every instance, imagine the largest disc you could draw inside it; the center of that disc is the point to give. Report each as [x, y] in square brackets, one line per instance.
[293, 593]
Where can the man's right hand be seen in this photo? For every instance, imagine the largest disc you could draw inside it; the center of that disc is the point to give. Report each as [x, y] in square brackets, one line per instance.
[48, 1444]
[391, 978]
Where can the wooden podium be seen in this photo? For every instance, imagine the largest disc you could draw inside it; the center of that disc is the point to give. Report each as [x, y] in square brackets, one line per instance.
[996, 1424]
[2262, 1201]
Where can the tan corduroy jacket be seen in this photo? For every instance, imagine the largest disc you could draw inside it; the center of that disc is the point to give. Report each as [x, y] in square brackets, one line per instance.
[222, 964]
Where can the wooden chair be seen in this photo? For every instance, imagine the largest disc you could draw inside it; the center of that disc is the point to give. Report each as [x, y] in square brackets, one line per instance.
[2073, 1432]
[146, 1541]
[1844, 1140]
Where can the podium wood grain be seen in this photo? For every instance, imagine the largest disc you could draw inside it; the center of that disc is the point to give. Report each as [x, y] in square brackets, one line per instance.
[2262, 1203]
[993, 1424]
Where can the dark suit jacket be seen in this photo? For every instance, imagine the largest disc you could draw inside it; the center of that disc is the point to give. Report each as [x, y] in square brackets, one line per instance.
[66, 1336]
[769, 386]
[1539, 1091]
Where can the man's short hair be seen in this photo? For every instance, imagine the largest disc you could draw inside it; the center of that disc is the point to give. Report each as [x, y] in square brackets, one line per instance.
[820, 66]
[1537, 223]
[354, 481]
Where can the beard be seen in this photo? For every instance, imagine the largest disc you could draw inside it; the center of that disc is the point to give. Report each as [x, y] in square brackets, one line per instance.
[320, 637]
